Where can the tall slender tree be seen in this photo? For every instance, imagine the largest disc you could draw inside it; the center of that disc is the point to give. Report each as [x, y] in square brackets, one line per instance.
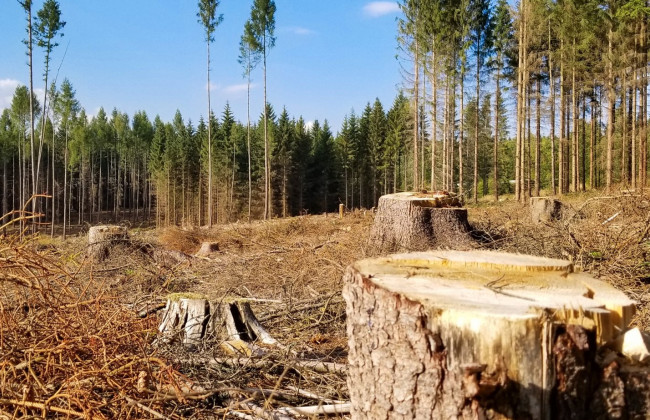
[263, 29]
[210, 20]
[249, 57]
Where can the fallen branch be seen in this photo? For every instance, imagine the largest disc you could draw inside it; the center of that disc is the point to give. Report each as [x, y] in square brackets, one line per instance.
[316, 409]
[315, 365]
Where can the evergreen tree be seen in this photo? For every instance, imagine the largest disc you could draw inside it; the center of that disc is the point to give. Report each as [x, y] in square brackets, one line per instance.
[263, 30]
[210, 20]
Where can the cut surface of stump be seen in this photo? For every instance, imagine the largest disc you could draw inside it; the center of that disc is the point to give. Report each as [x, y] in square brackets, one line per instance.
[411, 221]
[545, 209]
[102, 238]
[449, 334]
[192, 319]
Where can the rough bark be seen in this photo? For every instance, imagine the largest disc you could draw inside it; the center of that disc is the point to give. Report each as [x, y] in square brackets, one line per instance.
[477, 334]
[417, 222]
[101, 239]
[545, 209]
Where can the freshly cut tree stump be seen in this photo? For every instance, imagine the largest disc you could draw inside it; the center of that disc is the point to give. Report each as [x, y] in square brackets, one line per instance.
[479, 334]
[412, 221]
[191, 319]
[545, 209]
[102, 238]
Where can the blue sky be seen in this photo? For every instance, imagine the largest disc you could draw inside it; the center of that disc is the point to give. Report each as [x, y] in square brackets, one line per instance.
[330, 57]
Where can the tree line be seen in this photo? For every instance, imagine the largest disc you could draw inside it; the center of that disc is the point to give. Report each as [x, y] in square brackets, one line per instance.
[575, 69]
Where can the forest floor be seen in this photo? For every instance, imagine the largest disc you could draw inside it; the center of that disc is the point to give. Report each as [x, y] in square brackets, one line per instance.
[72, 342]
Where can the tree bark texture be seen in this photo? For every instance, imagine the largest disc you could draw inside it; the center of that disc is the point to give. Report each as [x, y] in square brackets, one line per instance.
[102, 238]
[418, 221]
[485, 335]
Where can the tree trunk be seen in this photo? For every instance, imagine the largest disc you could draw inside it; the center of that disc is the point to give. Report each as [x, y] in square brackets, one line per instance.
[495, 151]
[478, 334]
[416, 222]
[551, 78]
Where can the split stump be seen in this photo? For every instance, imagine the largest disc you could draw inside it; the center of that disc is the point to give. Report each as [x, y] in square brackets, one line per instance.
[101, 239]
[478, 334]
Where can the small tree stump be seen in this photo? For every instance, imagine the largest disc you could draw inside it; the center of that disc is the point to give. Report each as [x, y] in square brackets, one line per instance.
[478, 334]
[192, 319]
[102, 238]
[207, 249]
[545, 209]
[411, 221]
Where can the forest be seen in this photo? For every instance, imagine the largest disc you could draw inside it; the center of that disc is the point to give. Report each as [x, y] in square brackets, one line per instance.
[496, 99]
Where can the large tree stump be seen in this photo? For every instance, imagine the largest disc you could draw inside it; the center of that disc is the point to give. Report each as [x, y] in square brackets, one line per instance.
[478, 334]
[191, 319]
[102, 238]
[545, 209]
[411, 221]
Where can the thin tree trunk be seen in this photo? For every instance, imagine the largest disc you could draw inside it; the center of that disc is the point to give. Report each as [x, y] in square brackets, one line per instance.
[496, 134]
[538, 136]
[416, 117]
[611, 96]
[461, 134]
[476, 123]
[551, 79]
[592, 144]
[434, 121]
[563, 134]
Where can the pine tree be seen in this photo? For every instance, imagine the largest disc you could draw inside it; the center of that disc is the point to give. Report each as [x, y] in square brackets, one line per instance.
[263, 29]
[210, 20]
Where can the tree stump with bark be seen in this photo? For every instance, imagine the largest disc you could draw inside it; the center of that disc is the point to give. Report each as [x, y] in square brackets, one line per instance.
[101, 239]
[412, 221]
[545, 209]
[192, 319]
[479, 334]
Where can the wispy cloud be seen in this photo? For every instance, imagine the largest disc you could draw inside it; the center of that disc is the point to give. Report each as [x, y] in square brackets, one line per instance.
[212, 86]
[7, 89]
[299, 30]
[237, 88]
[380, 8]
[309, 125]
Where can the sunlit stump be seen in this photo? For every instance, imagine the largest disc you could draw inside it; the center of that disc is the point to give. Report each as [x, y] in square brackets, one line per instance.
[412, 221]
[191, 320]
[479, 334]
[545, 209]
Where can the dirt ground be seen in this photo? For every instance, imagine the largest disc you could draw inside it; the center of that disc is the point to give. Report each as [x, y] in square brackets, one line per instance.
[72, 342]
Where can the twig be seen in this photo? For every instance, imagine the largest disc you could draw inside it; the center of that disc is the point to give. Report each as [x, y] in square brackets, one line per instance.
[317, 409]
[313, 396]
[143, 407]
[315, 365]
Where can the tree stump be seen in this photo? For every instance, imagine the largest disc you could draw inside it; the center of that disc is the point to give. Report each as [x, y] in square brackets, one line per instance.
[207, 249]
[191, 319]
[545, 209]
[102, 238]
[479, 334]
[411, 221]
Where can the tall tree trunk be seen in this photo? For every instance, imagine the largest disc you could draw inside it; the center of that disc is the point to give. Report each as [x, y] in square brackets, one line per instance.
[416, 118]
[445, 138]
[476, 123]
[562, 156]
[551, 81]
[520, 105]
[495, 150]
[210, 211]
[643, 152]
[611, 97]
[583, 178]
[592, 144]
[624, 142]
[461, 134]
[538, 135]
[434, 119]
[633, 174]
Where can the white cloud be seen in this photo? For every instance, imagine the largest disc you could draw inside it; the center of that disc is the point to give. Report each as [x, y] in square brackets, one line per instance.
[380, 8]
[7, 89]
[309, 125]
[237, 88]
[298, 30]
